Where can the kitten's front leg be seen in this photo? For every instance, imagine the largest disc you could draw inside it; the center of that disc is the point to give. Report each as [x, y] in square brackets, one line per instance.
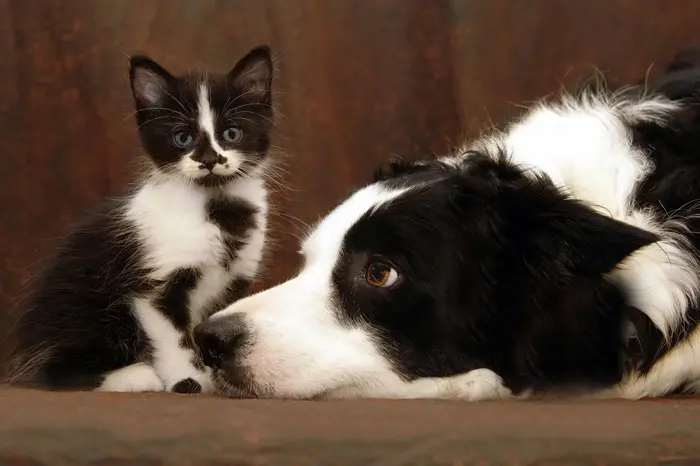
[173, 356]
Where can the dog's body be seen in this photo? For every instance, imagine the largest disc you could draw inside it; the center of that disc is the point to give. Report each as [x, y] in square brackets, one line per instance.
[558, 255]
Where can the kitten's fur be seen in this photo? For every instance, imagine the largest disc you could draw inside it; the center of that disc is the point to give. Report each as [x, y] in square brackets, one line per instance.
[115, 308]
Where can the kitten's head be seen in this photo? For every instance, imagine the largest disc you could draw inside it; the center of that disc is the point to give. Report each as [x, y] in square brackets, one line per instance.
[208, 128]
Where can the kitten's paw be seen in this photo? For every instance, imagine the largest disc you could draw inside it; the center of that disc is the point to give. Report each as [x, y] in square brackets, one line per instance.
[139, 377]
[187, 385]
[477, 385]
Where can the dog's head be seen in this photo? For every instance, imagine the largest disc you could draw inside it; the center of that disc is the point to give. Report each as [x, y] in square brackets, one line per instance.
[434, 269]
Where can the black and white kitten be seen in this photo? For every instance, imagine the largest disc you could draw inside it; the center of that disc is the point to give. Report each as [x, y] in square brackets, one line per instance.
[114, 309]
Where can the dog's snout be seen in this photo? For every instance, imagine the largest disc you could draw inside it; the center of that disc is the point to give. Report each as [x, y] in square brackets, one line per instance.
[219, 339]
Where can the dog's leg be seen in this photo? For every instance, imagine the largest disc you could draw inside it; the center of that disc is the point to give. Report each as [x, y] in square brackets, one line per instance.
[476, 385]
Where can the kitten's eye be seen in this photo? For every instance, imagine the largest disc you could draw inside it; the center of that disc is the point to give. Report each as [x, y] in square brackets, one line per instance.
[232, 135]
[381, 274]
[183, 139]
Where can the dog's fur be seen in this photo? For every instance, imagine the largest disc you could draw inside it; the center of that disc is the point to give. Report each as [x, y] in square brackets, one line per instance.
[558, 255]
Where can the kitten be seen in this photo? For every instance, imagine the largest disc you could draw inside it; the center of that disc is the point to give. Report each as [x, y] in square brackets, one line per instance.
[114, 309]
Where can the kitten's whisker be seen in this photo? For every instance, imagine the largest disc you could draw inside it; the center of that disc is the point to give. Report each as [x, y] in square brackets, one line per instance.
[147, 122]
[272, 122]
[245, 119]
[238, 97]
[160, 109]
[178, 101]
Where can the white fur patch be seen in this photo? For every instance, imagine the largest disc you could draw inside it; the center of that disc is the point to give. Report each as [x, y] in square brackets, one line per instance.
[661, 279]
[139, 377]
[171, 219]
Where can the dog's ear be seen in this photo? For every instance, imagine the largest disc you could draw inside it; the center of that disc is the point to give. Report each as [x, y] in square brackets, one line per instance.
[685, 59]
[586, 240]
[545, 223]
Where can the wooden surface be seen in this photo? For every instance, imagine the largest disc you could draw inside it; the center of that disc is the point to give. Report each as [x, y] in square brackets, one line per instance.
[357, 80]
[76, 429]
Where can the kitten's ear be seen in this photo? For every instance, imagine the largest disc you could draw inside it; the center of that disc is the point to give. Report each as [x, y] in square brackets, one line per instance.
[254, 73]
[149, 81]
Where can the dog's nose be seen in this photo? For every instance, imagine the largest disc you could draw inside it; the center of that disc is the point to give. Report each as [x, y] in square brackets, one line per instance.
[219, 339]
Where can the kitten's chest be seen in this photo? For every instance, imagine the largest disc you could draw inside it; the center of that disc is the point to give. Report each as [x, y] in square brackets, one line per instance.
[184, 228]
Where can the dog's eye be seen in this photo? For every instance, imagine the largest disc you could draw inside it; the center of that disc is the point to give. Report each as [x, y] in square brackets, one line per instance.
[381, 275]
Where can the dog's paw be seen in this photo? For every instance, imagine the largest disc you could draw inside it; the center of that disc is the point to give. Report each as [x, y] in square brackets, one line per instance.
[477, 385]
[139, 377]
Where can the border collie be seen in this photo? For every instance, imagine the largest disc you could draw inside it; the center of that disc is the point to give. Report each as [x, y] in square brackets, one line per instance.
[556, 256]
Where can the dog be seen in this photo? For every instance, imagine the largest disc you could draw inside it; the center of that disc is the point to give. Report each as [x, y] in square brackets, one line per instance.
[555, 256]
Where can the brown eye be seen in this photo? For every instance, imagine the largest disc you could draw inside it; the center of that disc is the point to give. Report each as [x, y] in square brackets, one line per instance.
[381, 275]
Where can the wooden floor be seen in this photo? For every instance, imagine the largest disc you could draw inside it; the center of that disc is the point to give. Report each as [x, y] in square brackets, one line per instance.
[162, 429]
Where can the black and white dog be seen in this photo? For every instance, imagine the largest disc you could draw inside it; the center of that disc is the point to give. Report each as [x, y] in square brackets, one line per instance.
[558, 255]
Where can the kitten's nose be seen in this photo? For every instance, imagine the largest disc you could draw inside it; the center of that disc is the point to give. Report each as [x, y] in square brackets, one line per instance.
[209, 160]
[219, 339]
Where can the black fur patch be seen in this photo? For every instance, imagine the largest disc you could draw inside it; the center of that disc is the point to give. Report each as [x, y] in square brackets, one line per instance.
[236, 218]
[173, 300]
[233, 216]
[78, 316]
[236, 290]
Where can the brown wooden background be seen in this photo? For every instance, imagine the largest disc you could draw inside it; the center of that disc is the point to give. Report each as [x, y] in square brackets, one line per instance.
[357, 80]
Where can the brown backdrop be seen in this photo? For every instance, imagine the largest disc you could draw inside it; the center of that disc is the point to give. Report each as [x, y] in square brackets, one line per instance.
[357, 80]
